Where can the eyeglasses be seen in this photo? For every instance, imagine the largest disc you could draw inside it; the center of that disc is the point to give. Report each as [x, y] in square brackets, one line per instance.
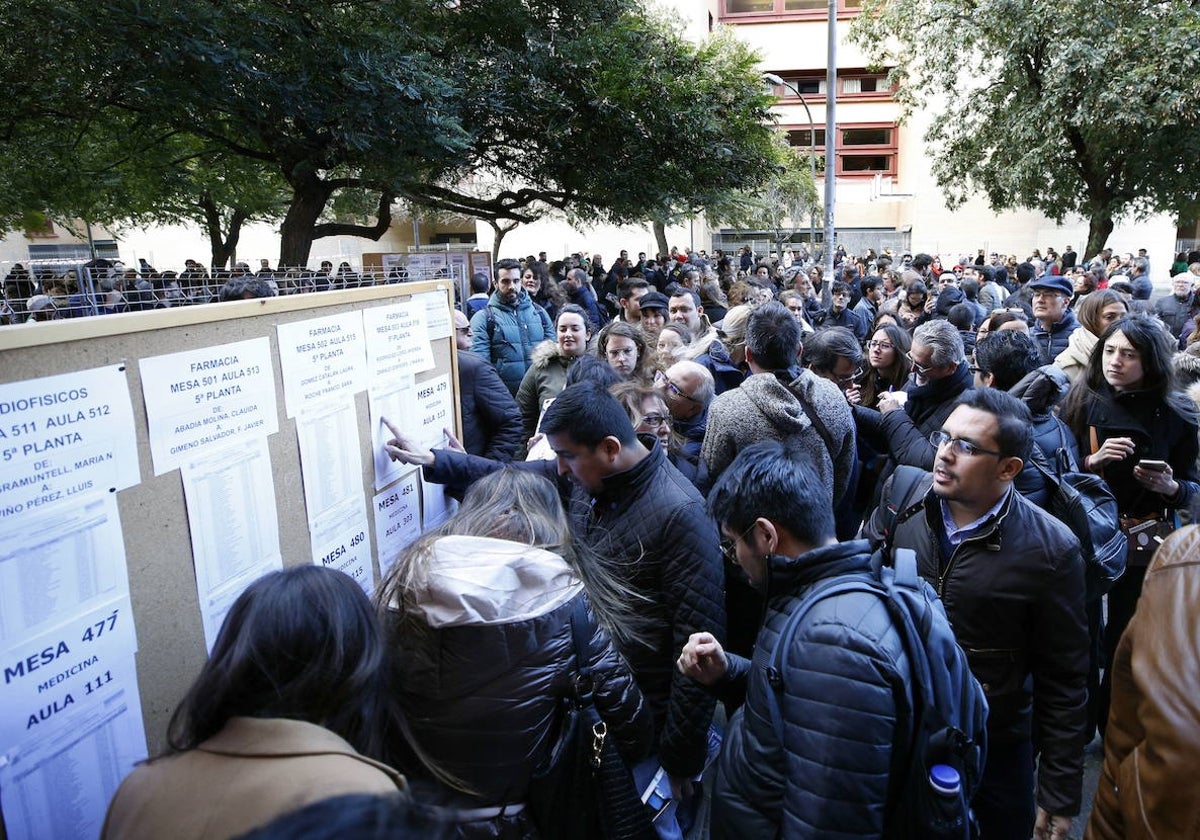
[673, 389]
[1046, 293]
[853, 377]
[880, 345]
[729, 547]
[980, 371]
[656, 421]
[917, 366]
[959, 446]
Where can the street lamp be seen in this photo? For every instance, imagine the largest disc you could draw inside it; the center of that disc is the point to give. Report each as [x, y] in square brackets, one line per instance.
[812, 150]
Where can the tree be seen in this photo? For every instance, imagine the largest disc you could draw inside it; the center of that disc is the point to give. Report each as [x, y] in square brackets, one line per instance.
[591, 108]
[780, 204]
[1064, 107]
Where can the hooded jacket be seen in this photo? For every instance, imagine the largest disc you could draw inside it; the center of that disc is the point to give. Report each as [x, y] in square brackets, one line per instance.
[545, 379]
[765, 408]
[483, 671]
[650, 521]
[506, 335]
[1041, 390]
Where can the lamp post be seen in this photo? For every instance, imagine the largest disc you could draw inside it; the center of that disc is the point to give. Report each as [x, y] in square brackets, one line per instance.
[830, 136]
[812, 148]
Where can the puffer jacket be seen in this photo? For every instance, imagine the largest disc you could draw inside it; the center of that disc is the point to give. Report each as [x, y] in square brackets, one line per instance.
[483, 663]
[1041, 390]
[1158, 433]
[1014, 594]
[491, 419]
[844, 689]
[1053, 341]
[506, 335]
[545, 379]
[1152, 743]
[651, 523]
[765, 408]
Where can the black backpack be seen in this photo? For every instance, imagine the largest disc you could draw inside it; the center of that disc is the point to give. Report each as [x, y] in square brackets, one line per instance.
[949, 711]
[1083, 502]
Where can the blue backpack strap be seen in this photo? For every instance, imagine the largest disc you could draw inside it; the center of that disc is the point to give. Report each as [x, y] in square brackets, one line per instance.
[904, 562]
[775, 667]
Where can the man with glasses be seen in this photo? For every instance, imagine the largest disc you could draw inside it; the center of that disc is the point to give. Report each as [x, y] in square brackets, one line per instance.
[1012, 580]
[1055, 322]
[688, 389]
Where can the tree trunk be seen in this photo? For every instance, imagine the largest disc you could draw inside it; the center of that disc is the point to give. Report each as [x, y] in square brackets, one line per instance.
[309, 197]
[220, 247]
[660, 237]
[1100, 227]
[499, 231]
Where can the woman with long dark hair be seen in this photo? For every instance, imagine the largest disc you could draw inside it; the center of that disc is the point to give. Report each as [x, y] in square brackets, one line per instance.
[888, 365]
[478, 611]
[1139, 433]
[291, 707]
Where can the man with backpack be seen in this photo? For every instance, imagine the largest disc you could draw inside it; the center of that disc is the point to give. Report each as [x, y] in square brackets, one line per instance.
[842, 683]
[1012, 580]
[506, 330]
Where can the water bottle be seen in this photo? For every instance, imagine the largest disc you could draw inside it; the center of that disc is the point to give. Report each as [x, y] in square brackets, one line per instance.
[946, 817]
[945, 781]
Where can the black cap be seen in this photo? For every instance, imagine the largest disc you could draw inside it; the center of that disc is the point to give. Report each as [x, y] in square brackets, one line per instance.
[654, 300]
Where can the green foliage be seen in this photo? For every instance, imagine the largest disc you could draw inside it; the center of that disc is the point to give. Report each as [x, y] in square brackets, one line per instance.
[1064, 107]
[782, 204]
[311, 109]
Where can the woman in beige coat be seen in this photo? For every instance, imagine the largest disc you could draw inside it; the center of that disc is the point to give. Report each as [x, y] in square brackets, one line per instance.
[1095, 313]
[280, 716]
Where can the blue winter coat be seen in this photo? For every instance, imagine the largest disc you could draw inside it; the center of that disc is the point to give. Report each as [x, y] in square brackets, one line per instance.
[506, 335]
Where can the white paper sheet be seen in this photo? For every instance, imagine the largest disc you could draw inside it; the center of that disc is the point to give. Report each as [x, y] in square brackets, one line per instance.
[439, 323]
[397, 520]
[394, 403]
[430, 411]
[201, 400]
[436, 506]
[58, 562]
[330, 459]
[72, 727]
[230, 495]
[64, 435]
[397, 342]
[322, 358]
[54, 674]
[340, 541]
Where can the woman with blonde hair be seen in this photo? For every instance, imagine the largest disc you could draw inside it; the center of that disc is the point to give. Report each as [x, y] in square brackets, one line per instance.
[480, 612]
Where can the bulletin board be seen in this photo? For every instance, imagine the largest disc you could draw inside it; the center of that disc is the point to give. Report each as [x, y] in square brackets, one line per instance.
[153, 512]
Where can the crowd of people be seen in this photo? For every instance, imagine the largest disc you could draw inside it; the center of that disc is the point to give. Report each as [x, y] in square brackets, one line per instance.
[665, 465]
[108, 287]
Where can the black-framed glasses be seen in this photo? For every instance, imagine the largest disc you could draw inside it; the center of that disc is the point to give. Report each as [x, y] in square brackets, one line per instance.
[960, 446]
[975, 369]
[880, 345]
[656, 420]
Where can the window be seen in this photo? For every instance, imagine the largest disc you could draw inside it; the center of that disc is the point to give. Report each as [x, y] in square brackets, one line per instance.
[852, 85]
[864, 150]
[748, 11]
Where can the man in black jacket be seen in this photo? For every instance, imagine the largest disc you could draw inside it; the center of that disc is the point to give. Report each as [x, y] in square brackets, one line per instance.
[490, 416]
[635, 510]
[845, 684]
[1012, 580]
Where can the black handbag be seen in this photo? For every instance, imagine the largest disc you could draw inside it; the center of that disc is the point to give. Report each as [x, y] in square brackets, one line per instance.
[583, 790]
